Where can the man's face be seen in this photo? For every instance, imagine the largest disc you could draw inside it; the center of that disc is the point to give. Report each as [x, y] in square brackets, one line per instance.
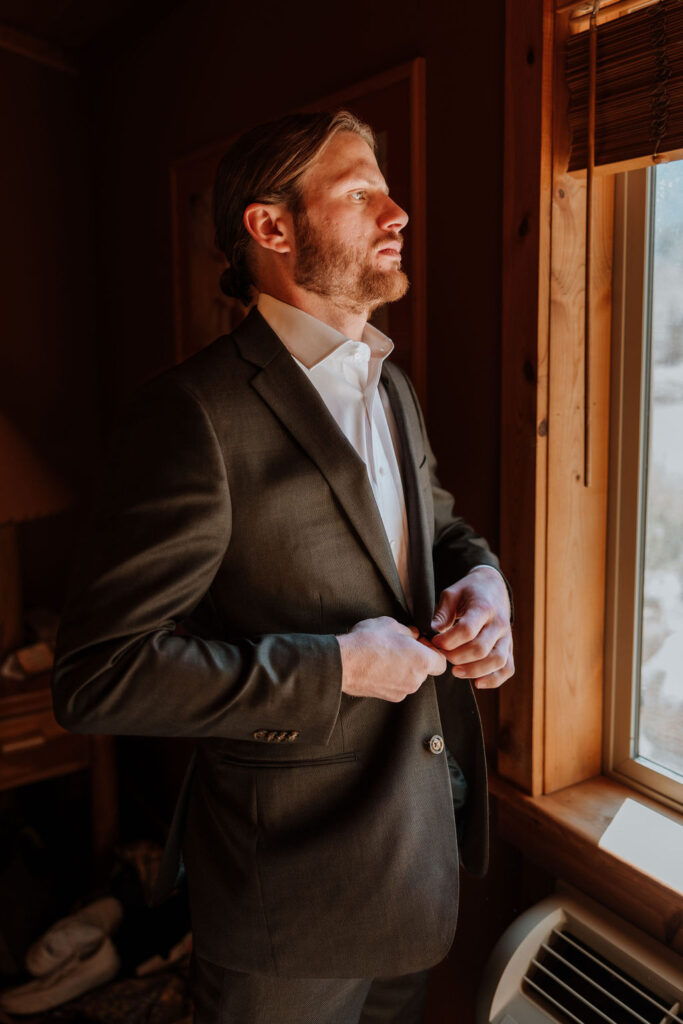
[348, 243]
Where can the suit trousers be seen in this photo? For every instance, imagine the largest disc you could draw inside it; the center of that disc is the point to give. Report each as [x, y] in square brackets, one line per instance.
[222, 996]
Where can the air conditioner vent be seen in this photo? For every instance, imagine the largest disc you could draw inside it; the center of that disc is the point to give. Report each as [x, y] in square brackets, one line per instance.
[576, 984]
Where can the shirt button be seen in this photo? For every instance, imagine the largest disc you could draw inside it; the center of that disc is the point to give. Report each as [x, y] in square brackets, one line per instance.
[382, 471]
[435, 745]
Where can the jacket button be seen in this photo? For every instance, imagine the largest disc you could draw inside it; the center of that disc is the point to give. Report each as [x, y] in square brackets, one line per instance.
[435, 744]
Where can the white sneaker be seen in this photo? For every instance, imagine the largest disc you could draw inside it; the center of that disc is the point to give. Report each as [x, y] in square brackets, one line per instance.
[69, 980]
[80, 933]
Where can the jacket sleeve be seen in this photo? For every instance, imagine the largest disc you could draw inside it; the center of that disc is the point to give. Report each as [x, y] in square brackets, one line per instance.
[161, 526]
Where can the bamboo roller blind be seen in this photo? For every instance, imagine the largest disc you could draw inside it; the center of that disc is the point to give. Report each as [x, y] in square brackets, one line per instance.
[639, 86]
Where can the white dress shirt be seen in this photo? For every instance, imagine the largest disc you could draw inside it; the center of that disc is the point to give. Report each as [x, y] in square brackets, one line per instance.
[346, 375]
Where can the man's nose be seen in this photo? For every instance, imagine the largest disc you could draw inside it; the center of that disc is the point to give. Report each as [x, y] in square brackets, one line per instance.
[392, 218]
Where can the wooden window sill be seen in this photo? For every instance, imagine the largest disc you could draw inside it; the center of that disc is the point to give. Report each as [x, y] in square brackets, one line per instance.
[561, 833]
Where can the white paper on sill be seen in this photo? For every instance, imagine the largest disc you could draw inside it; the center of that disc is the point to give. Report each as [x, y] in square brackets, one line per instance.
[648, 840]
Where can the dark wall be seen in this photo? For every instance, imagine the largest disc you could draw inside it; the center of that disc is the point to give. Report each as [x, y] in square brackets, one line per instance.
[209, 69]
[47, 353]
[48, 348]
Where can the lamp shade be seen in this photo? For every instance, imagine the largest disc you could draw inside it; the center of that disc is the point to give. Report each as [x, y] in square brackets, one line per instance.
[28, 487]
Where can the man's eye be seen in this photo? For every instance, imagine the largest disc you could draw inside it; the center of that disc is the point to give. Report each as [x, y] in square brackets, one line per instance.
[359, 193]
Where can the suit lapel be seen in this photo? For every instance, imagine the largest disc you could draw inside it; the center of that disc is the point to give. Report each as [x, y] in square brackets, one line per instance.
[299, 407]
[421, 562]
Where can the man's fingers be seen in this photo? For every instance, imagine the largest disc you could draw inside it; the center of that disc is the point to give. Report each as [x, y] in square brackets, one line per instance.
[446, 612]
[493, 641]
[437, 663]
[496, 660]
[495, 679]
[463, 631]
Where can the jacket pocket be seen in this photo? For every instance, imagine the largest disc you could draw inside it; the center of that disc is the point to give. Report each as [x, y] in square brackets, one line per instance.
[301, 762]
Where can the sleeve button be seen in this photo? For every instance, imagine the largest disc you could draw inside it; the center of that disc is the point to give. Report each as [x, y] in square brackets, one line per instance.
[259, 734]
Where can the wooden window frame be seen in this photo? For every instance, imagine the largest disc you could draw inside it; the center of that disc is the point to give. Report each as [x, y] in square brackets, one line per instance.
[552, 796]
[630, 382]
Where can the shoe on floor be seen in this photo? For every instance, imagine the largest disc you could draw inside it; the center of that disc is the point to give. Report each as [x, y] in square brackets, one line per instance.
[80, 933]
[71, 979]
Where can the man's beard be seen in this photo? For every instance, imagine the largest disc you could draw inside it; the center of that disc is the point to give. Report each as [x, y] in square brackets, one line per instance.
[344, 274]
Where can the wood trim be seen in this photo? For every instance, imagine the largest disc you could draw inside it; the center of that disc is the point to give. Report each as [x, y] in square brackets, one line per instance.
[609, 9]
[525, 312]
[576, 514]
[561, 833]
[553, 528]
[39, 50]
[621, 166]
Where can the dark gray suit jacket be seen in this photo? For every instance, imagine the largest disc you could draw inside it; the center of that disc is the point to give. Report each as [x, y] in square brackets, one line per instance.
[317, 829]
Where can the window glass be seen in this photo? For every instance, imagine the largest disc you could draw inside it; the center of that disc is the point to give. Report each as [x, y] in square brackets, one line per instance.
[659, 733]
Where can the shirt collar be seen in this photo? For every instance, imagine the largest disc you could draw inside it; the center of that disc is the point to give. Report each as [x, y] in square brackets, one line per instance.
[310, 340]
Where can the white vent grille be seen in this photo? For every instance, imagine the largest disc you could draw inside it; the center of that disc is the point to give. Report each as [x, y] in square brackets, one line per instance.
[578, 985]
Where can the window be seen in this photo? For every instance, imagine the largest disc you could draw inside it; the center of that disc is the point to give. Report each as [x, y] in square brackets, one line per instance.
[644, 656]
[562, 297]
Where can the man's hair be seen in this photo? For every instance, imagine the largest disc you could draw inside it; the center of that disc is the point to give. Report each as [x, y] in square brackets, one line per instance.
[266, 165]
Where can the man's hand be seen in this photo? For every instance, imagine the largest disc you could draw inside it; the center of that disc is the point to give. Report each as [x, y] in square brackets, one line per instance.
[472, 620]
[382, 658]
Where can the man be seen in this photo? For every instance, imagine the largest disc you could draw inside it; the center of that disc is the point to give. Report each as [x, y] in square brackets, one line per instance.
[269, 497]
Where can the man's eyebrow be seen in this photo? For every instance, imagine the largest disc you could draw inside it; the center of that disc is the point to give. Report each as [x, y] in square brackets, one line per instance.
[358, 176]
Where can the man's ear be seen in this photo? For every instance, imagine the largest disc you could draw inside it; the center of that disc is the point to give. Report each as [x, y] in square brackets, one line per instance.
[270, 225]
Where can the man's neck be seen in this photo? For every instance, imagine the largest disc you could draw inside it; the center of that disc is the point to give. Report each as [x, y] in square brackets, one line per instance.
[350, 323]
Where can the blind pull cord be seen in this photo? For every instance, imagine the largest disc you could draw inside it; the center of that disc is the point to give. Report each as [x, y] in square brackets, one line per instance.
[588, 290]
[660, 96]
